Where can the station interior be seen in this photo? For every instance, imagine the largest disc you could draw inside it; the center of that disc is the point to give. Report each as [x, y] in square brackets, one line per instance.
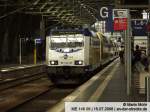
[60, 55]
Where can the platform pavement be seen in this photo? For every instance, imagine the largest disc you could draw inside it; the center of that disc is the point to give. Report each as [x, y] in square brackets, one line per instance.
[116, 90]
[16, 66]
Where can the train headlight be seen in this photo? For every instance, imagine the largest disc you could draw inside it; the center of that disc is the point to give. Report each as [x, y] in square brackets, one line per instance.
[54, 62]
[78, 62]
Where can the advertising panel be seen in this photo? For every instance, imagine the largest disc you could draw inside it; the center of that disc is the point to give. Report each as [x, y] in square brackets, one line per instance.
[120, 19]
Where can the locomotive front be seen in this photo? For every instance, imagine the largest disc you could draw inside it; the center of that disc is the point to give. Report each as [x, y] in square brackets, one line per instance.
[65, 56]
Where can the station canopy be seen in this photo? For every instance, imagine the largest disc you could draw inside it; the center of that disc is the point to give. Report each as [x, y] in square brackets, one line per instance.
[72, 12]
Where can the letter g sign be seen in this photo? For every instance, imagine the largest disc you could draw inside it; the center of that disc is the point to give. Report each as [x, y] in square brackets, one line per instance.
[104, 12]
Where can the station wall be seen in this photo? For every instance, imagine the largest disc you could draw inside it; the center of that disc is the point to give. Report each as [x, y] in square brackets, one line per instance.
[12, 28]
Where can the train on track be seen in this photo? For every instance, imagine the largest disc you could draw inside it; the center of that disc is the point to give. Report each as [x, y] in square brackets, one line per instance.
[72, 55]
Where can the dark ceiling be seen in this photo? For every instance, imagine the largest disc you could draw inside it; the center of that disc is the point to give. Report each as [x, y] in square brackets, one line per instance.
[73, 12]
[136, 2]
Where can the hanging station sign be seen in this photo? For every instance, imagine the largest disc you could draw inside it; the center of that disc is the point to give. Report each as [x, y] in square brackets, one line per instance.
[105, 14]
[139, 27]
[120, 19]
[115, 19]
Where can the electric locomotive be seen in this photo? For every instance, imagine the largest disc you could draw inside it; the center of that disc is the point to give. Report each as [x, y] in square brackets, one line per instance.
[72, 55]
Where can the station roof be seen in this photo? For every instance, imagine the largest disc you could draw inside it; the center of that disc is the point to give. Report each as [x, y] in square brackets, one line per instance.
[73, 12]
[70, 12]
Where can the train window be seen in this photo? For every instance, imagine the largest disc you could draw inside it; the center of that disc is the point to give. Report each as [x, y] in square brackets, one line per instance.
[75, 42]
[66, 41]
[58, 42]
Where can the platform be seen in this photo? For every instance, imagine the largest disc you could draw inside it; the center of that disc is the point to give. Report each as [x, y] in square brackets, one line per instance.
[11, 67]
[14, 72]
[109, 85]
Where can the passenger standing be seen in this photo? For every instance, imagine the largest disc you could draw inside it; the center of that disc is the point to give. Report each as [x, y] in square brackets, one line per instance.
[137, 55]
[144, 60]
[121, 55]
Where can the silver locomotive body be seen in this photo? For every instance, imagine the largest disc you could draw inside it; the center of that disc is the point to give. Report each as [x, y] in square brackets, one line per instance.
[71, 58]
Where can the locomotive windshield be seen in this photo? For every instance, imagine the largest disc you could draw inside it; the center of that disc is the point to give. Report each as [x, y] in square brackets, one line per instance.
[67, 41]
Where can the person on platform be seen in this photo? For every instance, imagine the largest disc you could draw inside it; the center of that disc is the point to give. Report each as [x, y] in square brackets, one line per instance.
[136, 57]
[121, 55]
[145, 61]
[137, 54]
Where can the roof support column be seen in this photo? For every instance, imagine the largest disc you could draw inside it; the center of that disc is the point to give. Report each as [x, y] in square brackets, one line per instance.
[128, 54]
[148, 19]
[42, 27]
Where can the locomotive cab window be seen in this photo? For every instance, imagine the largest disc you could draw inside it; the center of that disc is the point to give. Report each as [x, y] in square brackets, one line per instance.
[67, 41]
[58, 42]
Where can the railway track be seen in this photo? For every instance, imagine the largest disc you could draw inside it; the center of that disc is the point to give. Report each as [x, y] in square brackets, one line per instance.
[47, 100]
[21, 86]
[35, 93]
[19, 81]
[12, 97]
[44, 101]
[14, 77]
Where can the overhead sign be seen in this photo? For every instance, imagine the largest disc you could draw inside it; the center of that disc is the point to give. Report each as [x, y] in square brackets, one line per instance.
[105, 14]
[120, 19]
[38, 41]
[148, 27]
[120, 24]
[139, 27]
[120, 13]
[109, 21]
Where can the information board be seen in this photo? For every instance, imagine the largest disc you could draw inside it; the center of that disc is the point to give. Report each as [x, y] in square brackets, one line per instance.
[105, 14]
[120, 19]
[139, 27]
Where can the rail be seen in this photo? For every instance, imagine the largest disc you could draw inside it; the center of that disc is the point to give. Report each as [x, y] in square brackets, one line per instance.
[11, 78]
